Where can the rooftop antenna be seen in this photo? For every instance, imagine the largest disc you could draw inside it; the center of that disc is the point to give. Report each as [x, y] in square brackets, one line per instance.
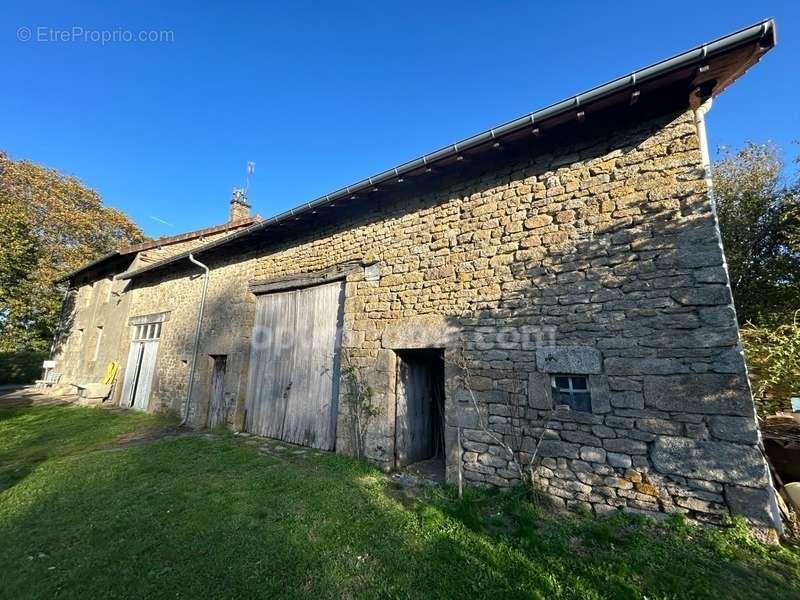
[251, 168]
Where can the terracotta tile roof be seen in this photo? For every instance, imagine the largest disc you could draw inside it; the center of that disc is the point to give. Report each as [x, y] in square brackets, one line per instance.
[190, 235]
[163, 241]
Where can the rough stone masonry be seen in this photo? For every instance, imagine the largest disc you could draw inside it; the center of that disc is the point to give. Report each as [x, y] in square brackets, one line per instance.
[577, 290]
[601, 260]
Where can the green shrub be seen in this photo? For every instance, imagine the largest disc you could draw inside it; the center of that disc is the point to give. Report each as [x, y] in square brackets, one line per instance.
[21, 367]
[773, 360]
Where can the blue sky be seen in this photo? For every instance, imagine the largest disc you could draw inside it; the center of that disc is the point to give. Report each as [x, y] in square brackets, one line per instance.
[320, 96]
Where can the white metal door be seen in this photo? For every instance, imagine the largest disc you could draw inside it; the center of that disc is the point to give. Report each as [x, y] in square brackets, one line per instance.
[148, 366]
[141, 366]
[294, 366]
[131, 373]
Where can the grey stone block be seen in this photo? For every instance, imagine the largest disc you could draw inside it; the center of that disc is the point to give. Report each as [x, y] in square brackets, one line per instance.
[591, 454]
[642, 436]
[715, 461]
[474, 446]
[661, 426]
[707, 295]
[730, 361]
[621, 384]
[580, 360]
[580, 437]
[708, 393]
[602, 431]
[721, 316]
[600, 394]
[644, 366]
[553, 448]
[539, 394]
[492, 461]
[753, 504]
[697, 430]
[619, 422]
[425, 331]
[626, 446]
[577, 416]
[616, 459]
[627, 399]
[734, 429]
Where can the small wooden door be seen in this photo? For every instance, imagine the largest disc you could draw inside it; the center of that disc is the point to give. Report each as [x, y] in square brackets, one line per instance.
[419, 417]
[216, 408]
[293, 382]
[141, 366]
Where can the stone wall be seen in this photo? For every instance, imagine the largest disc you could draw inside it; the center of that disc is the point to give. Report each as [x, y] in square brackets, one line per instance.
[602, 259]
[225, 330]
[93, 328]
[90, 330]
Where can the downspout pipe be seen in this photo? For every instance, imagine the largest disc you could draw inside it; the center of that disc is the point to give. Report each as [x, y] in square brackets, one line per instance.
[700, 122]
[188, 401]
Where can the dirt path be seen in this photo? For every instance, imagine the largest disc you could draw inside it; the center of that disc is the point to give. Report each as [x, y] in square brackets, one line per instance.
[22, 396]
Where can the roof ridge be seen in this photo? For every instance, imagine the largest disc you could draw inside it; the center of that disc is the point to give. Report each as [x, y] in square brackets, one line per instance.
[188, 235]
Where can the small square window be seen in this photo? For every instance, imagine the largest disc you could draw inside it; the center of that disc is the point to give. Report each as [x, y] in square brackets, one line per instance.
[572, 391]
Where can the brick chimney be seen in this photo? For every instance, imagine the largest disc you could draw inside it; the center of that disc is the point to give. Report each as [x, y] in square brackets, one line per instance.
[240, 209]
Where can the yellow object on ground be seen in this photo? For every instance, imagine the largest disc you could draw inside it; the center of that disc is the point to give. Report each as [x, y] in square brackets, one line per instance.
[111, 373]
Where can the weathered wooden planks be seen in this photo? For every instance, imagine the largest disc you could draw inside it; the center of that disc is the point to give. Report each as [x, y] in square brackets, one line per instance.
[419, 388]
[216, 409]
[304, 280]
[293, 383]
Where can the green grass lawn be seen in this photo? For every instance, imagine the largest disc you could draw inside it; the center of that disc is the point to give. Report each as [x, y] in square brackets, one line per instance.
[200, 516]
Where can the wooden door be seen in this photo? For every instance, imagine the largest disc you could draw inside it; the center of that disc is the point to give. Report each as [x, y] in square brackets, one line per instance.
[216, 409]
[419, 408]
[294, 366]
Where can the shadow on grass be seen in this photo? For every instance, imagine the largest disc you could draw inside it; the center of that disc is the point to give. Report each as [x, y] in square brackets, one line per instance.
[32, 435]
[204, 516]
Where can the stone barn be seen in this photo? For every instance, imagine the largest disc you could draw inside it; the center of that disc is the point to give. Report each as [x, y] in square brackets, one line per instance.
[548, 297]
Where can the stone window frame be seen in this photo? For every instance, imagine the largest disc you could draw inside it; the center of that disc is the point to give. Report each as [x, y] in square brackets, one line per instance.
[572, 391]
[585, 361]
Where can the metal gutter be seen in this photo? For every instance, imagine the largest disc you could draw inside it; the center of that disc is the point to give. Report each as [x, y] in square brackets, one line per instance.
[200, 312]
[696, 56]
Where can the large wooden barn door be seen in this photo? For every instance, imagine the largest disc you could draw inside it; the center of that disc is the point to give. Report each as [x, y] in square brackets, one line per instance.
[294, 366]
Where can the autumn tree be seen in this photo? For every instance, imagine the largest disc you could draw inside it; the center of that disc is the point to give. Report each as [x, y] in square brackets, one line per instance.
[50, 224]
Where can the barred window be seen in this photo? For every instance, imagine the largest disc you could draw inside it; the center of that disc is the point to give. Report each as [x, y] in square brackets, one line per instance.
[572, 391]
[148, 331]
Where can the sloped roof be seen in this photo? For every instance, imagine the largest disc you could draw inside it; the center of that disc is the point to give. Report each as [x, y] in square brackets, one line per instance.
[684, 80]
[159, 242]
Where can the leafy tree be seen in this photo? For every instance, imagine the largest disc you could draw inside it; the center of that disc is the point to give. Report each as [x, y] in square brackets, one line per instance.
[759, 216]
[760, 220]
[50, 224]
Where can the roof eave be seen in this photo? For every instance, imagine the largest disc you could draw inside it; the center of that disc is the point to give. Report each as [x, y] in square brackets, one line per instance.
[763, 34]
